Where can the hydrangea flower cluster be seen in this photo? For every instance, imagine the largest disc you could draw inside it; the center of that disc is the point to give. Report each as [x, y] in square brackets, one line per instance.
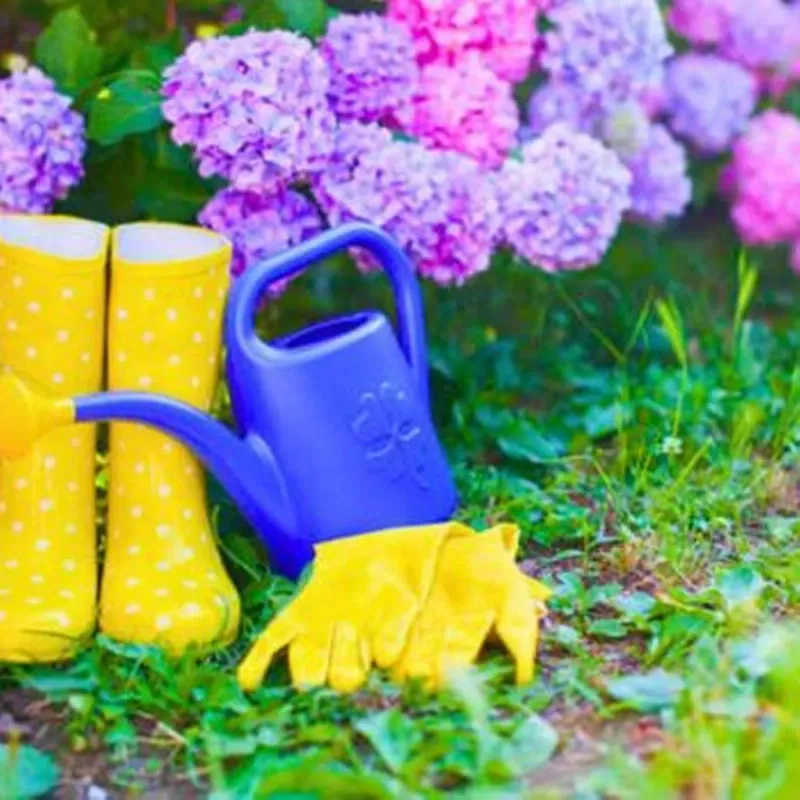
[563, 203]
[261, 225]
[758, 33]
[702, 22]
[561, 102]
[254, 108]
[465, 108]
[661, 187]
[709, 100]
[373, 71]
[764, 180]
[439, 206]
[501, 32]
[42, 143]
[609, 49]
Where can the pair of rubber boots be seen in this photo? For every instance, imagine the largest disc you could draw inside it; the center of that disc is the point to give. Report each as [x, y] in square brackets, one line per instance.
[157, 329]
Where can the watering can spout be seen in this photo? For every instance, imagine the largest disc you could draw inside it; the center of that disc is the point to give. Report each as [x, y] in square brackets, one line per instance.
[245, 466]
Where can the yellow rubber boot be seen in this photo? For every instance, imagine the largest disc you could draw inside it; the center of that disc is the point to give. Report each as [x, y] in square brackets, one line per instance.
[164, 581]
[52, 300]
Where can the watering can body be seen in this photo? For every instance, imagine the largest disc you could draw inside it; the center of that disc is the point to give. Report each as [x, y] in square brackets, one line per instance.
[334, 436]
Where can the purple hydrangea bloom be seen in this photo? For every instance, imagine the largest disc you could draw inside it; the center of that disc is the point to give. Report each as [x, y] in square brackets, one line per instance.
[42, 143]
[709, 100]
[261, 225]
[253, 107]
[561, 102]
[609, 49]
[563, 203]
[373, 67]
[440, 207]
[661, 185]
[758, 34]
[353, 141]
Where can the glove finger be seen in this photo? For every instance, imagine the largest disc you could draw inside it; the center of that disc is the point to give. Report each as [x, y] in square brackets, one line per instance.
[421, 654]
[350, 660]
[518, 629]
[390, 633]
[253, 668]
[309, 657]
[461, 644]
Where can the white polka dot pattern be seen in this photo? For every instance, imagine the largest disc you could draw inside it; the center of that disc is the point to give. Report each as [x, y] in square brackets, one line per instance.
[51, 333]
[165, 332]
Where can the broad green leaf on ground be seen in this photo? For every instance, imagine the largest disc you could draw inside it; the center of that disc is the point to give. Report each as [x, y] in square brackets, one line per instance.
[393, 736]
[68, 52]
[649, 692]
[531, 745]
[26, 772]
[739, 586]
[130, 104]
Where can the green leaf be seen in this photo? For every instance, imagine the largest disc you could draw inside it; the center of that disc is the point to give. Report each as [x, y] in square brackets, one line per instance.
[739, 586]
[650, 692]
[26, 772]
[308, 16]
[67, 51]
[531, 745]
[392, 735]
[608, 629]
[130, 104]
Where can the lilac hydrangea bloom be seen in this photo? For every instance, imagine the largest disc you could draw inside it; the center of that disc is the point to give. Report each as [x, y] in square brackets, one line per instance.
[607, 48]
[42, 143]
[709, 100]
[758, 33]
[440, 207]
[253, 107]
[661, 186]
[261, 225]
[354, 140]
[560, 102]
[372, 64]
[563, 203]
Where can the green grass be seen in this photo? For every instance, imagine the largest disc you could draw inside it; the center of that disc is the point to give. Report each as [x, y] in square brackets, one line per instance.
[641, 423]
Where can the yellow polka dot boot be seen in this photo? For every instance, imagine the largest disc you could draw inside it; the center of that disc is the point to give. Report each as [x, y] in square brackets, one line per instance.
[164, 581]
[52, 301]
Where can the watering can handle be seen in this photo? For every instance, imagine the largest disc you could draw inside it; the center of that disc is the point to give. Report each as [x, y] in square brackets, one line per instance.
[252, 286]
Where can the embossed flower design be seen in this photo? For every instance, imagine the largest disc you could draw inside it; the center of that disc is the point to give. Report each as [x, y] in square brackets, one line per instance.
[393, 441]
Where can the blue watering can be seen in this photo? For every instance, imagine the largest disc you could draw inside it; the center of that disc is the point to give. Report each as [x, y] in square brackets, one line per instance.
[335, 436]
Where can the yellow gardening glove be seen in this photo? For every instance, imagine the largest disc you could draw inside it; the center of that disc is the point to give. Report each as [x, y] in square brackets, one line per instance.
[479, 592]
[356, 609]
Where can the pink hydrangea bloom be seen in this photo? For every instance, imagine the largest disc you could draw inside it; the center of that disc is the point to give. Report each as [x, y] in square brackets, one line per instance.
[261, 225]
[42, 143]
[254, 108]
[465, 108]
[702, 22]
[562, 205]
[373, 71]
[503, 32]
[440, 207]
[765, 178]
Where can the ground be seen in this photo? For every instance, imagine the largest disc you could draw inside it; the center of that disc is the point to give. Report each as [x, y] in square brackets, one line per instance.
[641, 423]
